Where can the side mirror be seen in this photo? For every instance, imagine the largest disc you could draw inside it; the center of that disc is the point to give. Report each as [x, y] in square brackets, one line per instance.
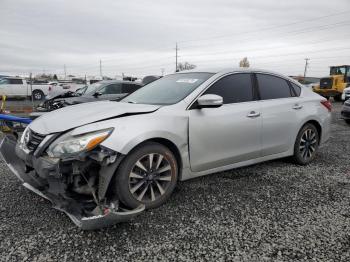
[97, 94]
[210, 101]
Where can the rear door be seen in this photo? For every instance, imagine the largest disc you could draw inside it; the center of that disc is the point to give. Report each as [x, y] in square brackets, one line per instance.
[280, 106]
[228, 134]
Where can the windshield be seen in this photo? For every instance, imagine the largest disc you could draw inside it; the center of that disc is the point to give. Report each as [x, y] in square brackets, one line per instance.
[168, 90]
[81, 91]
[92, 88]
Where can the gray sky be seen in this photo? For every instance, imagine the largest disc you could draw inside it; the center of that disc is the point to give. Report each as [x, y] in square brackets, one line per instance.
[138, 37]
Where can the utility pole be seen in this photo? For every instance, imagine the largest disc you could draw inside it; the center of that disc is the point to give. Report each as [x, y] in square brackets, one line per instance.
[101, 69]
[65, 71]
[31, 89]
[176, 56]
[306, 65]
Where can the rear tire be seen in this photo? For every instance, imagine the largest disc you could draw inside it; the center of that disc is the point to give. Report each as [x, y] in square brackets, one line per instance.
[38, 95]
[148, 175]
[347, 121]
[306, 144]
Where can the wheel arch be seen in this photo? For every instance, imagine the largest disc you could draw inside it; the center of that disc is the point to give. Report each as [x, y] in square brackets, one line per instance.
[317, 125]
[38, 90]
[110, 191]
[168, 144]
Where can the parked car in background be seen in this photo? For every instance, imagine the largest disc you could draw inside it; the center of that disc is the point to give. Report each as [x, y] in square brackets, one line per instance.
[54, 100]
[346, 94]
[345, 112]
[105, 162]
[113, 90]
[18, 87]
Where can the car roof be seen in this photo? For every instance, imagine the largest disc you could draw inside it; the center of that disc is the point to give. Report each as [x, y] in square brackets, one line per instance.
[228, 70]
[223, 71]
[117, 81]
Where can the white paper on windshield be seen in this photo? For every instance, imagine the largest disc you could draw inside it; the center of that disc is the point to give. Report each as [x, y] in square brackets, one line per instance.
[187, 80]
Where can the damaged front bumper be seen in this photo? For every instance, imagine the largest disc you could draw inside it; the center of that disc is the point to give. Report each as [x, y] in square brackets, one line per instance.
[103, 214]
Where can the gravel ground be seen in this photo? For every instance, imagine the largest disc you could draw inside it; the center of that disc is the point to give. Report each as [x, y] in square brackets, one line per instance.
[275, 211]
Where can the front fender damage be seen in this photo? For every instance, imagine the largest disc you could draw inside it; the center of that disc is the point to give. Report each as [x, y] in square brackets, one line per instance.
[79, 187]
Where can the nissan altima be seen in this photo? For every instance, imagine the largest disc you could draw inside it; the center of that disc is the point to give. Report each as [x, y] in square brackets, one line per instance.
[105, 162]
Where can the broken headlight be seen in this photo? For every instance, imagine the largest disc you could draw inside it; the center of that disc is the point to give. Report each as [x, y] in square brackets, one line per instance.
[68, 145]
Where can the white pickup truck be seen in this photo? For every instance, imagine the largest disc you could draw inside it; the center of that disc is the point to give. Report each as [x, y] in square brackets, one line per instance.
[18, 87]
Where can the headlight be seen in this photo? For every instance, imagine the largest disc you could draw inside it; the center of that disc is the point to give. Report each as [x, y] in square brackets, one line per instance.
[68, 145]
[25, 137]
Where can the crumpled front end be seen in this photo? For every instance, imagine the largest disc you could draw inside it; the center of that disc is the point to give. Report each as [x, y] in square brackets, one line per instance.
[80, 186]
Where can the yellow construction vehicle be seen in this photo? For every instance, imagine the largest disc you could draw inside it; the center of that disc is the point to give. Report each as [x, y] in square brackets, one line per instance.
[334, 85]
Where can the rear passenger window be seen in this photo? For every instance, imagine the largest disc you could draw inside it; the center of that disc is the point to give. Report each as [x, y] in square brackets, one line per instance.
[234, 88]
[296, 88]
[16, 81]
[272, 87]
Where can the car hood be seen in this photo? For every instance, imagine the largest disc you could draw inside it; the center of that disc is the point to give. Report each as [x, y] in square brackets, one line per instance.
[78, 115]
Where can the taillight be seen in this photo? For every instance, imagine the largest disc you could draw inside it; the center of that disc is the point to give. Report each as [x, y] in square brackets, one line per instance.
[327, 105]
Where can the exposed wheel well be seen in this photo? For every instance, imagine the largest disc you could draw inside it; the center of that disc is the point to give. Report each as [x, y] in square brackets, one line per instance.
[171, 146]
[318, 127]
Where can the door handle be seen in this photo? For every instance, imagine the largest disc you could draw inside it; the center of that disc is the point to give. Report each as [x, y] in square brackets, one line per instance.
[253, 114]
[297, 107]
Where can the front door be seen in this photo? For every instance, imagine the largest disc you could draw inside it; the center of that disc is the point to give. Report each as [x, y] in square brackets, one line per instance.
[228, 134]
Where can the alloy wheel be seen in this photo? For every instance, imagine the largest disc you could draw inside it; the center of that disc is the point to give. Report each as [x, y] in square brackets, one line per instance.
[308, 144]
[150, 177]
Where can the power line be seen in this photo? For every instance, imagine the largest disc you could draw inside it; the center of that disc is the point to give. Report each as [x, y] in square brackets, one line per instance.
[335, 49]
[268, 28]
[224, 52]
[287, 33]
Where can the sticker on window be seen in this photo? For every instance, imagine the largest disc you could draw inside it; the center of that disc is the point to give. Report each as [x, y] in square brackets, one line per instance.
[187, 80]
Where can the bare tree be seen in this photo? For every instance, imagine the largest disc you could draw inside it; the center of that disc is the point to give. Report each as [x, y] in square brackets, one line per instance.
[185, 66]
[244, 62]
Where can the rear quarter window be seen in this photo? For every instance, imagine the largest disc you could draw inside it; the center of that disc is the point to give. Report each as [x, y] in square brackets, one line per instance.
[273, 87]
[296, 89]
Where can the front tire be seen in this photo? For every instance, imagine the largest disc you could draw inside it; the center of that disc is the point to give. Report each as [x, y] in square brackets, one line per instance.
[148, 175]
[306, 144]
[347, 121]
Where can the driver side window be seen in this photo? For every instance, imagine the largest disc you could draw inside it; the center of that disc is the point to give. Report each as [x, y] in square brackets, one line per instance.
[235, 88]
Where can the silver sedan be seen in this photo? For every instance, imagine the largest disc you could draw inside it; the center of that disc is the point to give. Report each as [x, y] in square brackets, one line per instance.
[105, 162]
